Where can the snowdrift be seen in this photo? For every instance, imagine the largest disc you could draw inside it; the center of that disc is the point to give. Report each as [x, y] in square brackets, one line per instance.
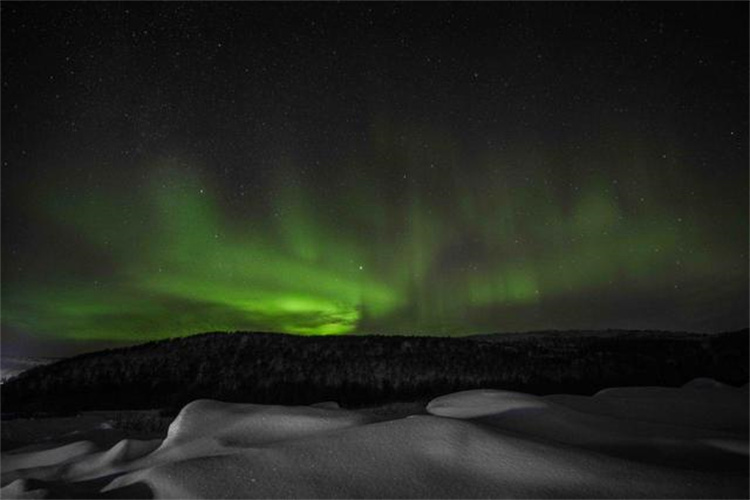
[647, 442]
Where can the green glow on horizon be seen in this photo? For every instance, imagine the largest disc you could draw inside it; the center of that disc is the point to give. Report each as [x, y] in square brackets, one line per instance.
[438, 252]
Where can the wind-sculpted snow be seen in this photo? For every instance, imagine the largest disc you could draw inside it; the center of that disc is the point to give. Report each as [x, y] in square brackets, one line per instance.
[658, 432]
[473, 444]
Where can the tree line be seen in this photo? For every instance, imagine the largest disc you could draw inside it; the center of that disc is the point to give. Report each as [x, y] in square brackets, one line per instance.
[367, 370]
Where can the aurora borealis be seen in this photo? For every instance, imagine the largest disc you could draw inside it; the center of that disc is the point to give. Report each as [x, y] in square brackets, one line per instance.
[446, 169]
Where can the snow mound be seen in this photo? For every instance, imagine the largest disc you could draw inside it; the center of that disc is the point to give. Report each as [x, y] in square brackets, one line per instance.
[422, 457]
[55, 456]
[584, 422]
[20, 489]
[106, 462]
[707, 383]
[472, 444]
[234, 424]
[694, 405]
[478, 403]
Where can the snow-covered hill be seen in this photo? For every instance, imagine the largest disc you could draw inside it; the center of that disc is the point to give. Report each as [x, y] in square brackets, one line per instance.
[640, 442]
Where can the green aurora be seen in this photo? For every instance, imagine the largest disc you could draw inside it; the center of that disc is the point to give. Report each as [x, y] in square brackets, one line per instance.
[167, 257]
[171, 168]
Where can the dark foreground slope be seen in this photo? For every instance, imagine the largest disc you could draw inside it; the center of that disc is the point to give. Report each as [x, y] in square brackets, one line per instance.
[284, 369]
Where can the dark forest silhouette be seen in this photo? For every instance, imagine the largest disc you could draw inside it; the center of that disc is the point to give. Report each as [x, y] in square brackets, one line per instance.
[367, 370]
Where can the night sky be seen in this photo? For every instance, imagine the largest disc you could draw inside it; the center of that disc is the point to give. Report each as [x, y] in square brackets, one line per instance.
[316, 168]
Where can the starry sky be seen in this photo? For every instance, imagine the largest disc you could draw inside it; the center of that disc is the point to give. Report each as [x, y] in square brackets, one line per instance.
[370, 168]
